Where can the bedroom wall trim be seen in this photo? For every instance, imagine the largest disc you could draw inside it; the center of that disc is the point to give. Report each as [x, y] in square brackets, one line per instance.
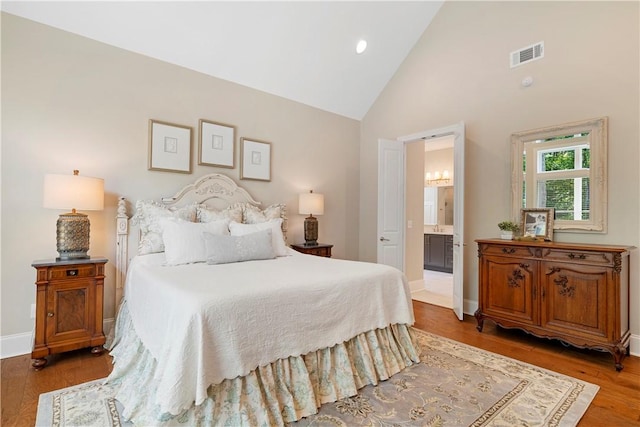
[416, 285]
[15, 345]
[19, 344]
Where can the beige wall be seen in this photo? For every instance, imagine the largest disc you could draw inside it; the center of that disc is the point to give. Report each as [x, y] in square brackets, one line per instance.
[439, 160]
[414, 212]
[70, 102]
[459, 71]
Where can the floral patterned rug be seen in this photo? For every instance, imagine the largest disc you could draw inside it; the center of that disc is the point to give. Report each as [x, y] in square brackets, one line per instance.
[455, 384]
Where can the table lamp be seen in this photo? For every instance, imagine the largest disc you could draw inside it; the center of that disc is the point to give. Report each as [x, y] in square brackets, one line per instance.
[311, 203]
[73, 192]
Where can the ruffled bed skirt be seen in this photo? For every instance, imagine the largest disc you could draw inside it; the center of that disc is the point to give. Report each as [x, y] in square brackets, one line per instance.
[281, 392]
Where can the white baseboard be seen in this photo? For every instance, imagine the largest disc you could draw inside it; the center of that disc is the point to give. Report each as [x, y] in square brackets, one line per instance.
[416, 285]
[16, 345]
[19, 344]
[634, 345]
[469, 306]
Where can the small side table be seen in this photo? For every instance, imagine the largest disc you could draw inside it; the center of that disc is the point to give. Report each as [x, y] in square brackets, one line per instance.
[320, 249]
[69, 304]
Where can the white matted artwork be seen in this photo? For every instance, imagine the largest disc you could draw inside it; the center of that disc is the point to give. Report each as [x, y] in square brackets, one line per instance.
[217, 144]
[255, 159]
[169, 147]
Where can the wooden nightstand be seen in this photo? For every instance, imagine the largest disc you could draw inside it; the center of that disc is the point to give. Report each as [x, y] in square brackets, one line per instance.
[321, 249]
[69, 302]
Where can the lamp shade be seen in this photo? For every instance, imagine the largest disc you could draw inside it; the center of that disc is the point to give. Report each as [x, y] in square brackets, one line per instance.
[311, 204]
[73, 192]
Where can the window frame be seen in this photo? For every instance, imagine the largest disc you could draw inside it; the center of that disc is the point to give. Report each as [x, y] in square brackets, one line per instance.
[597, 140]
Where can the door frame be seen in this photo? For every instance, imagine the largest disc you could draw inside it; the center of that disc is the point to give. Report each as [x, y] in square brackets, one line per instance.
[457, 130]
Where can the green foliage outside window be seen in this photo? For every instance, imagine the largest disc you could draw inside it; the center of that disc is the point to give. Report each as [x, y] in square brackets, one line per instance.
[559, 193]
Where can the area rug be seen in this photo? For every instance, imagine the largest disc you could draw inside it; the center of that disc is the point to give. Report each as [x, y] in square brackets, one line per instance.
[454, 384]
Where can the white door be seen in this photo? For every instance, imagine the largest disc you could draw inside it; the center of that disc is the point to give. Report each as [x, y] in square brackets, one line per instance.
[391, 203]
[458, 220]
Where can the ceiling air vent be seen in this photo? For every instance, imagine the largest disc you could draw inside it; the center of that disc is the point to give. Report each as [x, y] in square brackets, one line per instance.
[527, 54]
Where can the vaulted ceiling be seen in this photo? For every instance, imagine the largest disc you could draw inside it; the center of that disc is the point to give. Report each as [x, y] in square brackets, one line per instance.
[303, 51]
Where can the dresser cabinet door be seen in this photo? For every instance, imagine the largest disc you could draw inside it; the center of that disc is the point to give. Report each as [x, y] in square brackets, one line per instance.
[69, 311]
[575, 299]
[508, 291]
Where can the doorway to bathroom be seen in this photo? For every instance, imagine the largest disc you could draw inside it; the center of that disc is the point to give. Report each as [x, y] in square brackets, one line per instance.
[437, 287]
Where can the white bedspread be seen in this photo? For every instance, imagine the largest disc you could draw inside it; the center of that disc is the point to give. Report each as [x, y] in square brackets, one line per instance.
[206, 323]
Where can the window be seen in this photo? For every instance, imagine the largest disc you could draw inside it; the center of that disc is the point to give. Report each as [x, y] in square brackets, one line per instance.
[563, 167]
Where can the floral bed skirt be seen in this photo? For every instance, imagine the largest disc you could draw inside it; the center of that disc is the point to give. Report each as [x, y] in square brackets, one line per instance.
[284, 391]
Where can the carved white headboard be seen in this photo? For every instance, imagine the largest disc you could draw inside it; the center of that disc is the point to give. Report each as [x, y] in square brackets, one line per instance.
[215, 191]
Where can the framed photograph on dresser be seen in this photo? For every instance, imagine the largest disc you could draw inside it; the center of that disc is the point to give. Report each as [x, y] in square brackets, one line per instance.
[538, 222]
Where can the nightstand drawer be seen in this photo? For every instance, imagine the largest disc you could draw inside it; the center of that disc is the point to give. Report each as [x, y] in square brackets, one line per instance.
[321, 249]
[71, 272]
[326, 252]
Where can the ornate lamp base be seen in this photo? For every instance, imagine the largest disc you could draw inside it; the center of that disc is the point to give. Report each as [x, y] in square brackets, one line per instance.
[311, 231]
[72, 234]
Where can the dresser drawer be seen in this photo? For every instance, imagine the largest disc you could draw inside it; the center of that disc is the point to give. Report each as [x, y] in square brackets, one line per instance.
[505, 250]
[71, 271]
[580, 257]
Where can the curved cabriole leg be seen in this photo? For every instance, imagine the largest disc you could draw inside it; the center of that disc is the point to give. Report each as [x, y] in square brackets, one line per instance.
[618, 355]
[480, 319]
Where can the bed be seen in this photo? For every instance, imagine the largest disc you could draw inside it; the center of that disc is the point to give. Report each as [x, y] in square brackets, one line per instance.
[222, 324]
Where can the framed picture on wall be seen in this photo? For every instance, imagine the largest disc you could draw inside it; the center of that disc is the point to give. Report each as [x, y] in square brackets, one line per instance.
[169, 147]
[255, 159]
[217, 144]
[538, 222]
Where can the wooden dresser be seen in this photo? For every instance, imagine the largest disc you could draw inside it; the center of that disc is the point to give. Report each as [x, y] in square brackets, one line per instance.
[69, 300]
[575, 293]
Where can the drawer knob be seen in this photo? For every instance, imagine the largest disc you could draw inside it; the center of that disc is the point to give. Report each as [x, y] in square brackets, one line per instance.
[72, 272]
[50, 314]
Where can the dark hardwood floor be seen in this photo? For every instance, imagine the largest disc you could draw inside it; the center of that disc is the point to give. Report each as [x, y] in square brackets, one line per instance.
[616, 404]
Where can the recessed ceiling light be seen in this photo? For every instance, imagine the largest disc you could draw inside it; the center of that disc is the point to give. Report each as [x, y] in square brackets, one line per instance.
[361, 46]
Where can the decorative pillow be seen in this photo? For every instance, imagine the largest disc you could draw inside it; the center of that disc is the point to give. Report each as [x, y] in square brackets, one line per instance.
[232, 213]
[275, 225]
[254, 215]
[226, 249]
[148, 215]
[184, 241]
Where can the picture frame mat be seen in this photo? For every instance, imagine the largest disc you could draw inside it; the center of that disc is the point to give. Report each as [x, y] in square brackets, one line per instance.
[255, 162]
[216, 144]
[169, 147]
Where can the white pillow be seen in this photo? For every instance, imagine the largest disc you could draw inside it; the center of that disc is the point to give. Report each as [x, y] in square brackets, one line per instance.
[184, 241]
[149, 215]
[232, 213]
[253, 215]
[275, 225]
[226, 249]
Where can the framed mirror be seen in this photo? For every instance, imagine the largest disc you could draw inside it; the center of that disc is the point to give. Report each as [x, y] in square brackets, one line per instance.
[563, 167]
